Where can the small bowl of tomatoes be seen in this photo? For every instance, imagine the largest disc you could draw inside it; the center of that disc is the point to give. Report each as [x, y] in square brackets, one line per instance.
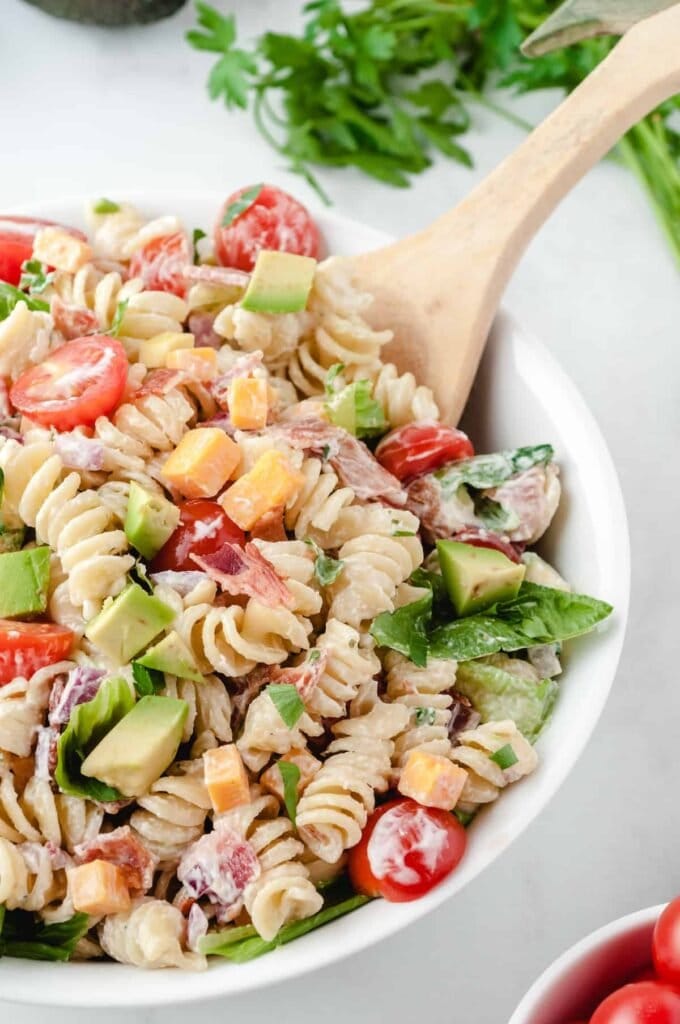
[625, 973]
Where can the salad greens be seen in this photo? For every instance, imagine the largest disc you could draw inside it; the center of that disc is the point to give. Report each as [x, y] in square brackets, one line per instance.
[290, 776]
[484, 471]
[148, 681]
[382, 84]
[88, 724]
[498, 694]
[405, 630]
[10, 296]
[504, 757]
[24, 935]
[35, 277]
[355, 409]
[287, 701]
[326, 569]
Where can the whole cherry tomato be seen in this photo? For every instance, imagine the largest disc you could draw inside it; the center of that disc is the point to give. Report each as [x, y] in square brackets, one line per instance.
[645, 1002]
[263, 217]
[666, 944]
[161, 263]
[203, 528]
[420, 448]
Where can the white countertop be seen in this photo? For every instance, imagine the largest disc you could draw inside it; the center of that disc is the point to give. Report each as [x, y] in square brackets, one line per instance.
[101, 112]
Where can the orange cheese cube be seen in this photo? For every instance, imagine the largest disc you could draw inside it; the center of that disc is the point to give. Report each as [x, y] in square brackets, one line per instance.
[99, 888]
[249, 403]
[432, 780]
[202, 462]
[306, 762]
[272, 481]
[225, 778]
[200, 363]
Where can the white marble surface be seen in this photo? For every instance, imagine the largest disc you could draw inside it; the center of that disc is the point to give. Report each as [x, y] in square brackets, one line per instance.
[99, 112]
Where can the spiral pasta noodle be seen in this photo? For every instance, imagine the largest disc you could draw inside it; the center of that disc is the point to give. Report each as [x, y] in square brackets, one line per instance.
[25, 340]
[335, 805]
[485, 778]
[425, 693]
[28, 880]
[152, 934]
[348, 666]
[402, 398]
[208, 723]
[22, 706]
[172, 814]
[317, 505]
[294, 563]
[265, 733]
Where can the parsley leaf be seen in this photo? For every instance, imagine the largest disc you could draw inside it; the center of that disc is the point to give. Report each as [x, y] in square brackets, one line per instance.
[504, 757]
[10, 296]
[35, 277]
[148, 681]
[105, 206]
[240, 205]
[196, 235]
[118, 317]
[326, 569]
[290, 776]
[287, 702]
[426, 716]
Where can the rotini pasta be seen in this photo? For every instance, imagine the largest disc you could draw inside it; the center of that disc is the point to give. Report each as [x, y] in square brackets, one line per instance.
[172, 814]
[485, 778]
[425, 692]
[151, 934]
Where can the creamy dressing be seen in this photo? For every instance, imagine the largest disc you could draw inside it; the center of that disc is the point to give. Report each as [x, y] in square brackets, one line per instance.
[397, 836]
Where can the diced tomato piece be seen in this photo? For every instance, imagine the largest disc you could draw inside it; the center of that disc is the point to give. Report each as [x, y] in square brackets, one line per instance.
[16, 243]
[263, 217]
[204, 527]
[487, 539]
[406, 850]
[161, 263]
[420, 448]
[27, 646]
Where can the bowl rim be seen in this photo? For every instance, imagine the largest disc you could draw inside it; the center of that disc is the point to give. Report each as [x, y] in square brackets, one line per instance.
[579, 952]
[39, 984]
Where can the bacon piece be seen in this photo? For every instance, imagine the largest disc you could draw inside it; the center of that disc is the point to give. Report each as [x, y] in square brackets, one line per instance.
[203, 273]
[356, 466]
[159, 382]
[533, 496]
[201, 326]
[244, 690]
[121, 847]
[59, 859]
[246, 571]
[304, 677]
[81, 685]
[72, 321]
[218, 867]
[77, 451]
[270, 527]
[480, 537]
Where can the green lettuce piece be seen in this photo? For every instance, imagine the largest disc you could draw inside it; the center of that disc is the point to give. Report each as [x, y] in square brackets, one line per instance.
[25, 936]
[88, 725]
[10, 296]
[405, 629]
[356, 410]
[483, 471]
[497, 694]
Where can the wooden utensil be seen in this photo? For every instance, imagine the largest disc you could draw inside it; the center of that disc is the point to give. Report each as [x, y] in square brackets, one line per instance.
[439, 290]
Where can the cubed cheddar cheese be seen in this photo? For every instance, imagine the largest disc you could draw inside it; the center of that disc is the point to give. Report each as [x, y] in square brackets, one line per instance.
[306, 762]
[226, 778]
[202, 462]
[199, 363]
[272, 481]
[99, 888]
[59, 248]
[154, 351]
[432, 780]
[249, 403]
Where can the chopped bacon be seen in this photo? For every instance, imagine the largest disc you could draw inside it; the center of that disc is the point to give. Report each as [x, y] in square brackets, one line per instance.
[73, 321]
[218, 867]
[121, 847]
[270, 527]
[424, 499]
[159, 382]
[227, 277]
[244, 690]
[11, 434]
[463, 715]
[81, 685]
[305, 677]
[59, 859]
[77, 451]
[241, 367]
[46, 752]
[533, 496]
[246, 571]
[480, 537]
[201, 326]
[350, 458]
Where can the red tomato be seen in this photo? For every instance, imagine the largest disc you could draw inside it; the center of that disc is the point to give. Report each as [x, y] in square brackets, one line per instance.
[204, 527]
[406, 850]
[271, 219]
[420, 448]
[666, 944]
[27, 646]
[487, 539]
[16, 243]
[78, 382]
[161, 263]
[646, 1002]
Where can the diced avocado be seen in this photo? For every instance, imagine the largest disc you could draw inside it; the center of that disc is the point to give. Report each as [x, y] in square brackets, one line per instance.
[172, 655]
[128, 623]
[477, 577]
[150, 520]
[24, 582]
[138, 750]
[12, 540]
[280, 283]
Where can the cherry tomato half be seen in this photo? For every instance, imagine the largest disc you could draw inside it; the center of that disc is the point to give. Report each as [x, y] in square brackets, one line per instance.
[204, 527]
[406, 850]
[420, 448]
[481, 538]
[27, 646]
[666, 944]
[272, 219]
[646, 1002]
[161, 263]
[78, 382]
[16, 243]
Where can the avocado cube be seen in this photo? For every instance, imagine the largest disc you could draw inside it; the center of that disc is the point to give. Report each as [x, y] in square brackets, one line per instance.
[171, 655]
[280, 283]
[150, 520]
[24, 582]
[128, 623]
[140, 747]
[475, 577]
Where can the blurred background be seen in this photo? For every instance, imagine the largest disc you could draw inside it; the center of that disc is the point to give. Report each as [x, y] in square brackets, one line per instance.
[108, 111]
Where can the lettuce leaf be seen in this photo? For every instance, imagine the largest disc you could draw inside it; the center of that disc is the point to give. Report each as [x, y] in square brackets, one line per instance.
[88, 724]
[483, 471]
[497, 694]
[10, 296]
[356, 410]
[404, 630]
[26, 936]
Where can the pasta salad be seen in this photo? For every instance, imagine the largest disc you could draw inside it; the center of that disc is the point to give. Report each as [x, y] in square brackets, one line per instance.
[271, 634]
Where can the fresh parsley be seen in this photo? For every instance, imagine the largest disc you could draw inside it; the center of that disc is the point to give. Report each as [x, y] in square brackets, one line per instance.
[196, 235]
[326, 569]
[504, 757]
[426, 716]
[35, 277]
[105, 206]
[148, 681]
[10, 296]
[118, 317]
[240, 205]
[313, 655]
[287, 702]
[484, 471]
[290, 776]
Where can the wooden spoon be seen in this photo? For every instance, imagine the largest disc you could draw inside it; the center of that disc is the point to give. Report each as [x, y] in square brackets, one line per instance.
[439, 290]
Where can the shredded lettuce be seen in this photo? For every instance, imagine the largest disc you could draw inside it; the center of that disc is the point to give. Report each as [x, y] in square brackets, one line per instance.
[290, 776]
[484, 471]
[287, 701]
[498, 694]
[25, 936]
[354, 408]
[11, 296]
[404, 630]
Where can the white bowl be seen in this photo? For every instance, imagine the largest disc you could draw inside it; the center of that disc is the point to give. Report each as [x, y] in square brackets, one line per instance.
[521, 396]
[573, 986]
